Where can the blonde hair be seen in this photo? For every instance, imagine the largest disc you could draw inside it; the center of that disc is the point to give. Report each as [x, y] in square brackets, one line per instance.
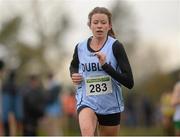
[103, 11]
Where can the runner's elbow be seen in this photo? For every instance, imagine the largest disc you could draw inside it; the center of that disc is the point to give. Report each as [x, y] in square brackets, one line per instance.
[131, 84]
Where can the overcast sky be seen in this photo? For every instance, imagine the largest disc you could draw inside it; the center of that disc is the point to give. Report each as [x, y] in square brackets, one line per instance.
[157, 20]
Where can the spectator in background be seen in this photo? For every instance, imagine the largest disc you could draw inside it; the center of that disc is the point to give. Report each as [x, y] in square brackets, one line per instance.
[69, 107]
[11, 105]
[53, 111]
[147, 109]
[34, 105]
[130, 113]
[167, 113]
[175, 101]
[1, 75]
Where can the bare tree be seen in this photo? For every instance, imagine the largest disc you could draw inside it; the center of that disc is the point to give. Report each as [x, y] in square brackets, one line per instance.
[46, 22]
[124, 22]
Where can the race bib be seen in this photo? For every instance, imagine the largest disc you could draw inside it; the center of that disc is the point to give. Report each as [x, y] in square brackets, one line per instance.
[98, 85]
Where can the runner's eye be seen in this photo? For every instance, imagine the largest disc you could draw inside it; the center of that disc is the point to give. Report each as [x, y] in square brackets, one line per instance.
[103, 22]
[95, 22]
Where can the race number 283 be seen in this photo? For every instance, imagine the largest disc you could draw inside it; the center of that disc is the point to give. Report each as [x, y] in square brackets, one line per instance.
[98, 85]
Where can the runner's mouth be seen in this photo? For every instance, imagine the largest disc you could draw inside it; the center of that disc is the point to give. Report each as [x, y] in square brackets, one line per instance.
[99, 31]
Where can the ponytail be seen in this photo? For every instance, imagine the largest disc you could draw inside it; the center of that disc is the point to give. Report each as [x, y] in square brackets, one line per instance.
[111, 33]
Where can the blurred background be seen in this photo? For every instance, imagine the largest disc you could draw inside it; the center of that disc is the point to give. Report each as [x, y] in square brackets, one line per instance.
[37, 41]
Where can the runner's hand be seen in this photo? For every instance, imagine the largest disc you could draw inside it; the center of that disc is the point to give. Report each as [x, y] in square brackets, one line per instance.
[76, 78]
[102, 57]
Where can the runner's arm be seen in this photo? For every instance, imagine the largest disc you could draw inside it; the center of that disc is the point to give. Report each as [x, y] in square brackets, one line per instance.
[125, 77]
[74, 66]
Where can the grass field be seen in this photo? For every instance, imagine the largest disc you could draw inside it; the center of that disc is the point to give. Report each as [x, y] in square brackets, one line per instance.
[155, 130]
[141, 131]
[126, 131]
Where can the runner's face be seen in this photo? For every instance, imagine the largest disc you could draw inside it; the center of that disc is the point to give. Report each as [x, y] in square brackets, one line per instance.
[99, 25]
